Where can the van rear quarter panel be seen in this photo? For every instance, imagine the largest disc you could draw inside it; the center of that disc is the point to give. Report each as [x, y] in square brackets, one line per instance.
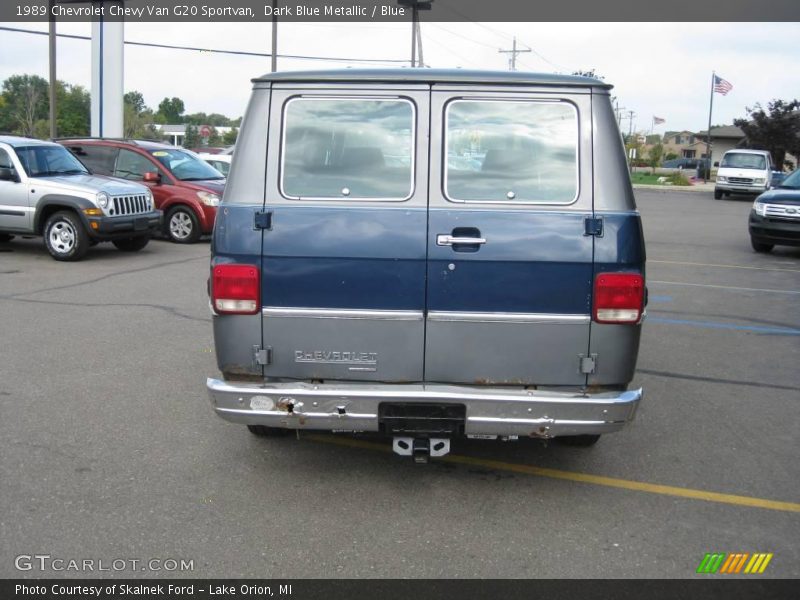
[236, 241]
[620, 248]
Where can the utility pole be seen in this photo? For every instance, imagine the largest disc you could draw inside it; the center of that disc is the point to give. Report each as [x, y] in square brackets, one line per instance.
[415, 6]
[618, 113]
[512, 62]
[52, 45]
[631, 114]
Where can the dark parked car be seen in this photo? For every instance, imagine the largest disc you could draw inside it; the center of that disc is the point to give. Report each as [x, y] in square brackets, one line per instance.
[683, 163]
[185, 187]
[775, 218]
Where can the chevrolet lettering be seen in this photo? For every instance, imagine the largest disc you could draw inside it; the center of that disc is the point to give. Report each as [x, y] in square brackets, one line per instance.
[428, 254]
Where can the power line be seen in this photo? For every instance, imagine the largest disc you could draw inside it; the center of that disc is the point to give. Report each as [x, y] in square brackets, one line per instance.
[218, 51]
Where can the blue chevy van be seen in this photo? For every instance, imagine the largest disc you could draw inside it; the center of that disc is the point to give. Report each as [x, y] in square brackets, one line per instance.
[428, 254]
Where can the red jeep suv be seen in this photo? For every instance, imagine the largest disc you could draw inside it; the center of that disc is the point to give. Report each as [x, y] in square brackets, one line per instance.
[184, 186]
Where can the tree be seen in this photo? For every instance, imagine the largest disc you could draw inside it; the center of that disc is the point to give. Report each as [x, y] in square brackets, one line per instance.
[777, 129]
[229, 138]
[214, 139]
[589, 73]
[192, 138]
[73, 110]
[135, 100]
[198, 118]
[137, 117]
[654, 156]
[25, 98]
[171, 110]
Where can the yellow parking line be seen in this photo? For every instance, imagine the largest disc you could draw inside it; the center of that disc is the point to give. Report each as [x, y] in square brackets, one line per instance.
[627, 484]
[694, 264]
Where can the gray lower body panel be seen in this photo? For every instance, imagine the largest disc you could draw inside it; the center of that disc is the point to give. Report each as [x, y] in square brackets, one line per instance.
[506, 349]
[353, 406]
[344, 344]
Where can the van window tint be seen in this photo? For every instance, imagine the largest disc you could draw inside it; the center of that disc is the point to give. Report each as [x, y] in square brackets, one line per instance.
[508, 151]
[348, 148]
[741, 160]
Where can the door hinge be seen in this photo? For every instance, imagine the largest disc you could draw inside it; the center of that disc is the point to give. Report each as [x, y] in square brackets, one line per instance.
[587, 364]
[262, 356]
[263, 220]
[593, 226]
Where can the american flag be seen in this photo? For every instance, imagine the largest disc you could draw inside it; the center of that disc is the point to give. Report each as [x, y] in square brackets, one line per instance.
[722, 86]
[658, 120]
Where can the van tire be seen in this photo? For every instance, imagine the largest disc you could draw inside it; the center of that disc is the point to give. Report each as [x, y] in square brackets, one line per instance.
[133, 244]
[65, 237]
[717, 194]
[579, 441]
[264, 431]
[6, 237]
[181, 225]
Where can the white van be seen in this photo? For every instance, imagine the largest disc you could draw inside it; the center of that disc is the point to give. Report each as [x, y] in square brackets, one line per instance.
[743, 172]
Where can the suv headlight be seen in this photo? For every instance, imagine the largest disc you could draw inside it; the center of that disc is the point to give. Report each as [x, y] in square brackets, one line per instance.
[760, 208]
[102, 199]
[208, 199]
[722, 179]
[149, 197]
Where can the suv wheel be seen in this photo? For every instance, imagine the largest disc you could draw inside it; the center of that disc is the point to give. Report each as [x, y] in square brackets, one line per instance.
[65, 237]
[717, 194]
[133, 244]
[760, 246]
[264, 431]
[182, 225]
[6, 237]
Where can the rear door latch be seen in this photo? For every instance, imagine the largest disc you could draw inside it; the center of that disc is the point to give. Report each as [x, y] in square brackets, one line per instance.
[263, 220]
[593, 226]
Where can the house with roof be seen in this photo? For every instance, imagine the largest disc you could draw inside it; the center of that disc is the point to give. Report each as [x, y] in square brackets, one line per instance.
[723, 139]
[681, 143]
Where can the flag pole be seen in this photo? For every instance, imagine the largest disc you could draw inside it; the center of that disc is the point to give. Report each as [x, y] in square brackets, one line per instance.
[708, 132]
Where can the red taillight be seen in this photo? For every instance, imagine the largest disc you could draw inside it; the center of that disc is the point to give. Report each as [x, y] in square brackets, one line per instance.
[235, 289]
[618, 298]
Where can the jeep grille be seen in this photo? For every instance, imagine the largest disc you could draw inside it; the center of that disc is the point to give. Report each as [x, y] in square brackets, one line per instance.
[130, 205]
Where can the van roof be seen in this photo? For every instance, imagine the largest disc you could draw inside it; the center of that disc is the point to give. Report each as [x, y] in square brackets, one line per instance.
[415, 75]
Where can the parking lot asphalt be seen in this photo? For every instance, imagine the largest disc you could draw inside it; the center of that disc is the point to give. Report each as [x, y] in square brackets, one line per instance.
[110, 449]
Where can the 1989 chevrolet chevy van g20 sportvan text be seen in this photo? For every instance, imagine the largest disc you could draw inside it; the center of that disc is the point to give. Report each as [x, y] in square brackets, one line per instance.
[428, 254]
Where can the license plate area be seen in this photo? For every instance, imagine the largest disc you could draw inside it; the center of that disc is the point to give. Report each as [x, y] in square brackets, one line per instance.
[422, 418]
[141, 223]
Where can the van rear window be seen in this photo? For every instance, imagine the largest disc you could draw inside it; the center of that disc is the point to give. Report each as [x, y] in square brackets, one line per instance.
[511, 151]
[348, 148]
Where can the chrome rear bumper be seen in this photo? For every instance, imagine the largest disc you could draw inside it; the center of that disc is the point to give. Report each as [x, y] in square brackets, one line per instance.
[490, 411]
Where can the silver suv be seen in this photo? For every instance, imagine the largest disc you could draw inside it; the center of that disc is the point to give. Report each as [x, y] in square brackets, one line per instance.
[45, 190]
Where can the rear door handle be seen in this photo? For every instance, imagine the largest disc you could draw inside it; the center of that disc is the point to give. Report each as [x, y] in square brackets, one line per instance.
[444, 239]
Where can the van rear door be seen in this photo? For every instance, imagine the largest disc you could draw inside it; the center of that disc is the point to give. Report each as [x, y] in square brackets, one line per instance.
[344, 249]
[510, 263]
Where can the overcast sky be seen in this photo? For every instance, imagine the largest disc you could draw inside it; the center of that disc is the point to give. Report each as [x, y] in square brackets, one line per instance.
[658, 69]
